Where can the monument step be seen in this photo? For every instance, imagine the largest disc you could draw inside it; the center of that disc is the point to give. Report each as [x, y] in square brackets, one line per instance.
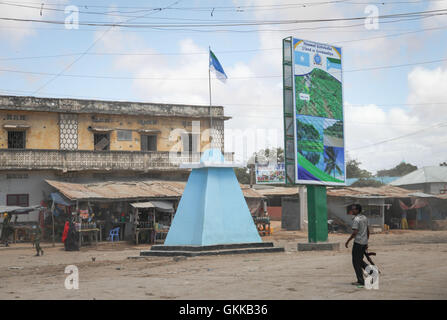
[213, 247]
[171, 253]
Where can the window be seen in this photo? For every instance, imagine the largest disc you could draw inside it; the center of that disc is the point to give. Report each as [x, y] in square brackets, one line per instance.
[21, 200]
[11, 176]
[16, 139]
[15, 117]
[101, 141]
[191, 142]
[148, 121]
[124, 135]
[148, 143]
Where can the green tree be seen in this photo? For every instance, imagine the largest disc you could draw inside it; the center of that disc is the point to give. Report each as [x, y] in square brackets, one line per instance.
[331, 161]
[264, 156]
[367, 183]
[242, 175]
[353, 170]
[398, 171]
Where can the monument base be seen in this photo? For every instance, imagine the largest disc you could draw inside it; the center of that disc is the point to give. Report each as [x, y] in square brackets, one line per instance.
[219, 249]
[309, 246]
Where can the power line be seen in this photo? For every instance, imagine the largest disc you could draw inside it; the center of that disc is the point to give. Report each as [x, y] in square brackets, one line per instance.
[442, 124]
[203, 78]
[244, 8]
[83, 54]
[205, 52]
[241, 23]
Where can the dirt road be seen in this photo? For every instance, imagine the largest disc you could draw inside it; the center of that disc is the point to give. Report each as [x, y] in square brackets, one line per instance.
[413, 265]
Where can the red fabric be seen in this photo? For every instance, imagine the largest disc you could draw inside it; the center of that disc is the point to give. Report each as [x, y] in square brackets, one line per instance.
[64, 235]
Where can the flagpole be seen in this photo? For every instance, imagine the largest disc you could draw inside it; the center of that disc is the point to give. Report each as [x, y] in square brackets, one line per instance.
[209, 85]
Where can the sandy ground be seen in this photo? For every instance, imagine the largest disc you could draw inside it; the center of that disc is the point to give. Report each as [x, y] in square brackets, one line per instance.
[413, 265]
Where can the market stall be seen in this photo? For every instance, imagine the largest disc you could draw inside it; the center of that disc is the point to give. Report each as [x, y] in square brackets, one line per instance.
[19, 231]
[152, 220]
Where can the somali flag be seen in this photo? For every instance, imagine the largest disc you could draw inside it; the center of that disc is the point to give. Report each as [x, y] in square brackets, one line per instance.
[217, 67]
[302, 58]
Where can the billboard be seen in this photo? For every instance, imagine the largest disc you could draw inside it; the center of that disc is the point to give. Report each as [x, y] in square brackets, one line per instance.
[270, 173]
[317, 113]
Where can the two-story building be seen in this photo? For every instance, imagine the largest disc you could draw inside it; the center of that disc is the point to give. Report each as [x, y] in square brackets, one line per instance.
[90, 140]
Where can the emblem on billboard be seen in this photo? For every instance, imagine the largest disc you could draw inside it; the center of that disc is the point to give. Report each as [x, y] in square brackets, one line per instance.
[317, 59]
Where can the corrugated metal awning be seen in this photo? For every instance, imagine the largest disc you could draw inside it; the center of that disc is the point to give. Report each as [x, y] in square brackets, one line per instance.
[142, 205]
[98, 129]
[18, 210]
[148, 131]
[163, 206]
[16, 126]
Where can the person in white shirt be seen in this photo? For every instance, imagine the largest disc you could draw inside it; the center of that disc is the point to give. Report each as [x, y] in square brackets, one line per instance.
[360, 234]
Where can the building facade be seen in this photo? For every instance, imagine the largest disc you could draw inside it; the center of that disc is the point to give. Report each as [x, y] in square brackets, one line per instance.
[90, 140]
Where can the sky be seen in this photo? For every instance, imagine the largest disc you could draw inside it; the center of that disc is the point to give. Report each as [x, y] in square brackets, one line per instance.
[394, 75]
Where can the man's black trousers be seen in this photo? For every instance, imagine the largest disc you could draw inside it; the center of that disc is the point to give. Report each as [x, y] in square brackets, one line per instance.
[358, 251]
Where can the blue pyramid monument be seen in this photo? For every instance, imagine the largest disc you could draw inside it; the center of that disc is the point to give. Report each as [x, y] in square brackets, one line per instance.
[212, 210]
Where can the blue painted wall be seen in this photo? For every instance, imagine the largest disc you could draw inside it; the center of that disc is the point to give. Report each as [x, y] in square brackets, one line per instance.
[212, 211]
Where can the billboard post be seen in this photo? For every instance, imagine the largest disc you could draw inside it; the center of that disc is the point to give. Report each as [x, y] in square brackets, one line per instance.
[313, 125]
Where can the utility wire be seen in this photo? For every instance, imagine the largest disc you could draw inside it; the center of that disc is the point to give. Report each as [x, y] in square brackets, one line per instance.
[241, 23]
[84, 53]
[242, 8]
[438, 125]
[204, 52]
[203, 78]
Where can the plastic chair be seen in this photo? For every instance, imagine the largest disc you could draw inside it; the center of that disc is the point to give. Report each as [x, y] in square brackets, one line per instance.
[114, 233]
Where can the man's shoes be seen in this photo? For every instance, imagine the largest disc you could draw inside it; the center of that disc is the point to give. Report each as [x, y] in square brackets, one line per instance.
[358, 284]
[37, 254]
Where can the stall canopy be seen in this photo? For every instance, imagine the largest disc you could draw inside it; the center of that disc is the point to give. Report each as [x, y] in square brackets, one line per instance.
[57, 198]
[142, 205]
[162, 206]
[18, 210]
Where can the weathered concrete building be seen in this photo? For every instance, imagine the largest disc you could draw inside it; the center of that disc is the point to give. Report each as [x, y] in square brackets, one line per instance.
[89, 140]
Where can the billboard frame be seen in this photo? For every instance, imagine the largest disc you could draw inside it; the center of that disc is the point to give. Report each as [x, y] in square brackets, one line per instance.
[287, 163]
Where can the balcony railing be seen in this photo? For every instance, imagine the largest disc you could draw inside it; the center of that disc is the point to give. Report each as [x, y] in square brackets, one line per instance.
[74, 160]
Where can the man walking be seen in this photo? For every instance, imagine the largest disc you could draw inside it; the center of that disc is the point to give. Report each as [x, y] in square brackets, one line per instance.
[37, 233]
[360, 235]
[6, 228]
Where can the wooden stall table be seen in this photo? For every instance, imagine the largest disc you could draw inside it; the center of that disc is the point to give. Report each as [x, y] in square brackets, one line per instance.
[82, 232]
[24, 230]
[263, 225]
[138, 230]
[157, 231]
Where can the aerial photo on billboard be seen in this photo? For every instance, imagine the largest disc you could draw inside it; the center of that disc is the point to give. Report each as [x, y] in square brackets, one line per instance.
[320, 153]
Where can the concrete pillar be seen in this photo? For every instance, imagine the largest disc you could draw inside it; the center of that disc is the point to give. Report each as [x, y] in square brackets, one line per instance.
[303, 208]
[317, 214]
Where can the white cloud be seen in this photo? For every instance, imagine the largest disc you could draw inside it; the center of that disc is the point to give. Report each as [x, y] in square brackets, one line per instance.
[428, 95]
[256, 103]
[423, 142]
[13, 31]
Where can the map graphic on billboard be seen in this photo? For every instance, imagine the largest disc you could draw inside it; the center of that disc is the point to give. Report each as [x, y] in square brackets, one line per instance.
[270, 173]
[318, 113]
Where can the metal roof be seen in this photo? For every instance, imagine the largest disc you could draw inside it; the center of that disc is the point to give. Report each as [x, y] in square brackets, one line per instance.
[382, 192]
[278, 191]
[376, 192]
[128, 190]
[18, 210]
[423, 175]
